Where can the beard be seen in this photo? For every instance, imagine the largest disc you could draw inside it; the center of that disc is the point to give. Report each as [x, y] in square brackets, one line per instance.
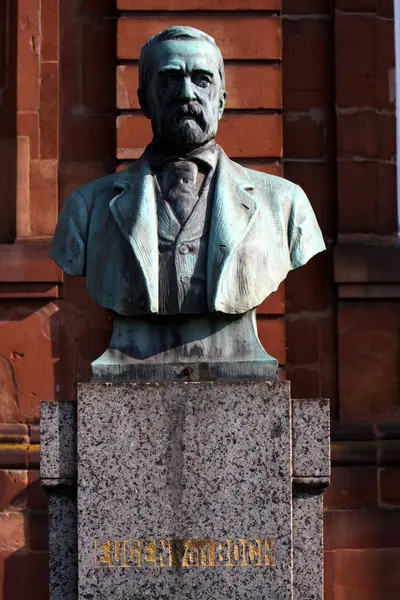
[188, 131]
[188, 125]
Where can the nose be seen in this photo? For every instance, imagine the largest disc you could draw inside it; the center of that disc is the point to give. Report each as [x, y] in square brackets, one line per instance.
[186, 91]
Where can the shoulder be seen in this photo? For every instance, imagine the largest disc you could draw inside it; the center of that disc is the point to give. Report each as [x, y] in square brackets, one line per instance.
[274, 193]
[268, 186]
[277, 195]
[105, 188]
[272, 185]
[98, 188]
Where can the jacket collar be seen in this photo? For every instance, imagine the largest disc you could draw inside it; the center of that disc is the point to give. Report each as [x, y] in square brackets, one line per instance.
[134, 209]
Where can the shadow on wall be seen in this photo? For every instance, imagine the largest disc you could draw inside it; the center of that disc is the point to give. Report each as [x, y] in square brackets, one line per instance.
[46, 347]
[48, 343]
[80, 332]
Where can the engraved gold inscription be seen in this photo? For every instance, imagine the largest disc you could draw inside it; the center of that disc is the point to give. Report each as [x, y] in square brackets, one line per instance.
[195, 552]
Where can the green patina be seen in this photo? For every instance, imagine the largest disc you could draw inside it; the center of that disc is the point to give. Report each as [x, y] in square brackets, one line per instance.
[254, 227]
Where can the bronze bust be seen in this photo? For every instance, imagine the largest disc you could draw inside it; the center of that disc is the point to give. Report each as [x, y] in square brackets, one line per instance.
[185, 243]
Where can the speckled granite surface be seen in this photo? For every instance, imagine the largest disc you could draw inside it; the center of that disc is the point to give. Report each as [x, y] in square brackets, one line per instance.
[179, 461]
[311, 473]
[63, 563]
[57, 443]
[195, 462]
[308, 548]
[311, 438]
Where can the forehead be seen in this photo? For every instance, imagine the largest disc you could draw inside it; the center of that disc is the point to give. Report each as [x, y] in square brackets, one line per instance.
[186, 53]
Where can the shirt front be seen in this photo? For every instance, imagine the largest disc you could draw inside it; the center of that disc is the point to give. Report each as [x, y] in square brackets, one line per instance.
[183, 244]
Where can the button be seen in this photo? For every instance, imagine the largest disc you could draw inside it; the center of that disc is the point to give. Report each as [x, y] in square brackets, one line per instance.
[185, 279]
[184, 249]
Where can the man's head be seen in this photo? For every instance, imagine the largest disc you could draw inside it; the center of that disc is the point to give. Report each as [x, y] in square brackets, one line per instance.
[182, 86]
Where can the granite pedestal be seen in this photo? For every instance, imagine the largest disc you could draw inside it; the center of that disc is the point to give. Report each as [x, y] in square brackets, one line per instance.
[189, 490]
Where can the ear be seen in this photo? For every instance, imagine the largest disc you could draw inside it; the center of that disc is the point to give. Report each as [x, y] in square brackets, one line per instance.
[143, 103]
[221, 106]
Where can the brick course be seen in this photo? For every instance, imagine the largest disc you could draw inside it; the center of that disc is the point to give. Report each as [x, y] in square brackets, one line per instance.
[250, 86]
[241, 37]
[325, 104]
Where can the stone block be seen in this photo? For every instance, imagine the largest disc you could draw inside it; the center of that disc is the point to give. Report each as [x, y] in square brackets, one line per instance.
[177, 477]
[311, 473]
[136, 5]
[185, 474]
[58, 443]
[311, 439]
[63, 565]
[308, 547]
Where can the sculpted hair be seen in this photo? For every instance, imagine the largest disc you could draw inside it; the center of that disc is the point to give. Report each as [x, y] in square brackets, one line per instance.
[175, 32]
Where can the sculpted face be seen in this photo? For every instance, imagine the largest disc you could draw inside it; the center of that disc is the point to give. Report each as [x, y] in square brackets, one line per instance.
[184, 99]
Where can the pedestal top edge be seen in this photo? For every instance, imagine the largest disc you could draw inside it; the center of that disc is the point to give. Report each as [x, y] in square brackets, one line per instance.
[282, 386]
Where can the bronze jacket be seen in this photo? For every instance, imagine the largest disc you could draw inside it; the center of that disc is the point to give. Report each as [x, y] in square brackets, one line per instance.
[262, 226]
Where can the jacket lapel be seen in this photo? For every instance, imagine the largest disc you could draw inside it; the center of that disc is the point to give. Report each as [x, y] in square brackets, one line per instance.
[233, 213]
[135, 212]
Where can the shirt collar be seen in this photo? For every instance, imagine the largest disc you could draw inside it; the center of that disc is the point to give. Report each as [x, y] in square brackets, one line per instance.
[207, 154]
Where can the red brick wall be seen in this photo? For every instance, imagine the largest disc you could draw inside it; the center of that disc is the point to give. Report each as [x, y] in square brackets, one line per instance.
[360, 540]
[334, 135]
[57, 131]
[309, 160]
[339, 144]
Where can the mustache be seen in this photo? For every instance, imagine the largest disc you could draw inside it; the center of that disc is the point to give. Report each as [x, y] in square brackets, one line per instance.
[190, 110]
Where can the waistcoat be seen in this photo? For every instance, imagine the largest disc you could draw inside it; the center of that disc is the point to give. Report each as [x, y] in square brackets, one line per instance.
[183, 254]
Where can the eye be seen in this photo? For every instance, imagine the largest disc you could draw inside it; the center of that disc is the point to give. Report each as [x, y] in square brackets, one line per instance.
[201, 79]
[171, 77]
